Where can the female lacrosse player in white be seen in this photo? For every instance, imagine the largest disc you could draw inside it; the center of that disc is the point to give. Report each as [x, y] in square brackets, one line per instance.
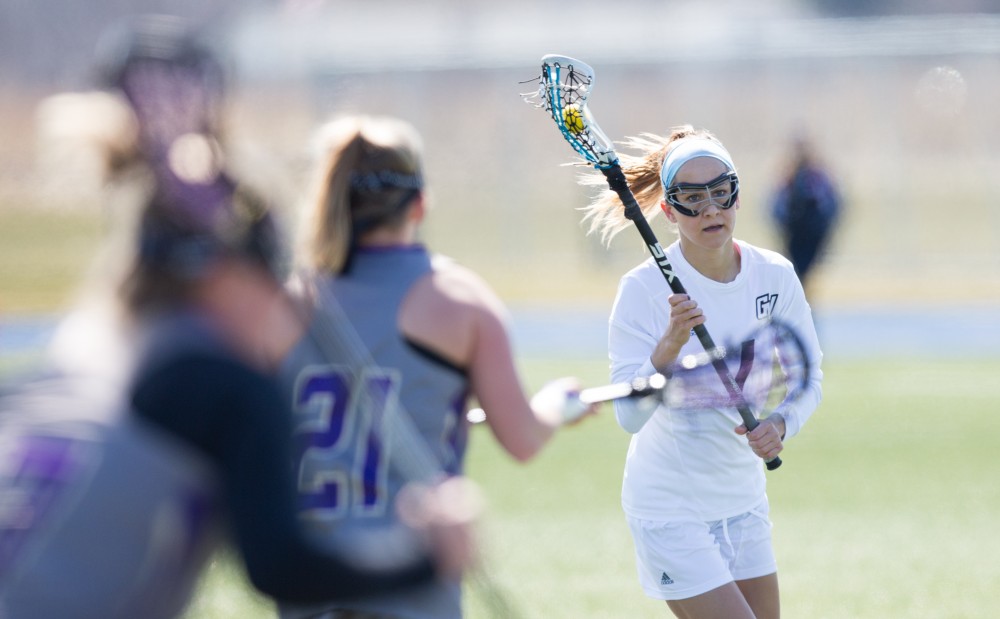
[694, 485]
[434, 334]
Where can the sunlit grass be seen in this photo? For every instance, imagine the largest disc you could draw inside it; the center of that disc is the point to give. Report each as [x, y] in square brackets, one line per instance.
[43, 257]
[883, 508]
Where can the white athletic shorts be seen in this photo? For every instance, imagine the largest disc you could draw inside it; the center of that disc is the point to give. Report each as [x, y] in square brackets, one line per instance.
[682, 558]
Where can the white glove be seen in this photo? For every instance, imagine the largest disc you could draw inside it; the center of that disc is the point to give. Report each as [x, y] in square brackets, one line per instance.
[559, 401]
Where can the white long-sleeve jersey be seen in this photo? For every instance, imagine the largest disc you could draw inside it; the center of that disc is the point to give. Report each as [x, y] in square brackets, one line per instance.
[683, 461]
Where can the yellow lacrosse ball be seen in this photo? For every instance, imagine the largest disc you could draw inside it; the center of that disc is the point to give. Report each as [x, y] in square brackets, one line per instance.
[573, 118]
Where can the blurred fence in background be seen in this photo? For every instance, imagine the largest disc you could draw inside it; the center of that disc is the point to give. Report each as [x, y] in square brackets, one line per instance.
[903, 110]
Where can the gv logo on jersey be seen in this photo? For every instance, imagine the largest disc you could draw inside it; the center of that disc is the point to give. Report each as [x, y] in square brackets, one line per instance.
[765, 305]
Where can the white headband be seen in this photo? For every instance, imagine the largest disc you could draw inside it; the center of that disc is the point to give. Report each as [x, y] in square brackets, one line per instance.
[688, 149]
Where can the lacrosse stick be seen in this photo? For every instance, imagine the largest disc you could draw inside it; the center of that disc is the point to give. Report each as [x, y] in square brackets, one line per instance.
[564, 87]
[776, 374]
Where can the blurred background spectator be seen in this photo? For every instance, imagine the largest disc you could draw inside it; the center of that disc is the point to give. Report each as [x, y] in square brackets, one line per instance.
[806, 207]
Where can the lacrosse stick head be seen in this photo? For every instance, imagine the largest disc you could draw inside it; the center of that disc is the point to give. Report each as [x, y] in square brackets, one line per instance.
[773, 362]
[174, 83]
[563, 90]
[164, 67]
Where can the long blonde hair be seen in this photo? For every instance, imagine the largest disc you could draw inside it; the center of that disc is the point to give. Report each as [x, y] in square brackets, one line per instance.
[605, 214]
[369, 171]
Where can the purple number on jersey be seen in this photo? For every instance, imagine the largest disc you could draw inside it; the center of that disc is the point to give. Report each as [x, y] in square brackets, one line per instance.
[339, 446]
[34, 473]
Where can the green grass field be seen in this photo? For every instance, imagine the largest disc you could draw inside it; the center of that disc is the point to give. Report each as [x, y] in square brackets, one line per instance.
[44, 255]
[884, 507]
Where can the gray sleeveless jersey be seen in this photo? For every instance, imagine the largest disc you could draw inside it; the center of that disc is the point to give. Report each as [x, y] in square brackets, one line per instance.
[100, 515]
[371, 411]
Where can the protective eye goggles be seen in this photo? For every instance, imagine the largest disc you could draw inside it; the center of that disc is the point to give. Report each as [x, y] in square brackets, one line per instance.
[691, 199]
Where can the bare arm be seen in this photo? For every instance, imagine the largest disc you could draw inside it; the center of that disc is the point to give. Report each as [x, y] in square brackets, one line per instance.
[455, 313]
[497, 386]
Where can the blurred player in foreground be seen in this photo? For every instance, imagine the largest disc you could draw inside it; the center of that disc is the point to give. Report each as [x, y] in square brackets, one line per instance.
[159, 427]
[436, 334]
[694, 492]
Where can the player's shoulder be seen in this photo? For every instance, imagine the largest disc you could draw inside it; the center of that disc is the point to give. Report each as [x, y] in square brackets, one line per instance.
[447, 265]
[759, 255]
[184, 352]
[460, 283]
[646, 277]
[643, 272]
[453, 307]
[168, 346]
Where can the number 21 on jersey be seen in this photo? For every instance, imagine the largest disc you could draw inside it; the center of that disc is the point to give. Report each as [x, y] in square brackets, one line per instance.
[341, 448]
